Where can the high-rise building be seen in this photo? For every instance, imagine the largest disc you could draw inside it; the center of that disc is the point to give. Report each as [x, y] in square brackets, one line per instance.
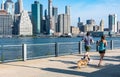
[2, 5]
[16, 24]
[55, 17]
[79, 20]
[102, 25]
[25, 25]
[46, 26]
[118, 26]
[9, 7]
[80, 25]
[6, 24]
[41, 18]
[63, 23]
[74, 30]
[113, 23]
[67, 10]
[60, 23]
[18, 7]
[90, 21]
[36, 18]
[50, 15]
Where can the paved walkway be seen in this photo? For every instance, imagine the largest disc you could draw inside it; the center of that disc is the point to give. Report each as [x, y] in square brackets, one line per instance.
[64, 66]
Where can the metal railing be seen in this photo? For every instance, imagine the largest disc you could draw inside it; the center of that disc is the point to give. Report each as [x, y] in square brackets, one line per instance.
[32, 51]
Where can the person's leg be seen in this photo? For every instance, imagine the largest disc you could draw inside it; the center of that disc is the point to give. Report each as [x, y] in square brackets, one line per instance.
[87, 53]
[101, 58]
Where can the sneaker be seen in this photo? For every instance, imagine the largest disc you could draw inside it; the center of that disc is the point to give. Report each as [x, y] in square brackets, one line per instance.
[83, 58]
[88, 59]
[99, 65]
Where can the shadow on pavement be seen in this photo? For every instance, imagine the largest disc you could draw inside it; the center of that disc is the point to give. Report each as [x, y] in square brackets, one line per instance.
[108, 71]
[66, 62]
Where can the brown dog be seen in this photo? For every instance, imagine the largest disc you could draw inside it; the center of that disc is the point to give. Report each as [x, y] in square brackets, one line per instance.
[81, 63]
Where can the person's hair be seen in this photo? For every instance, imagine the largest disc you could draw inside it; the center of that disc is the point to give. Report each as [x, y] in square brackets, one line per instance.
[88, 33]
[103, 37]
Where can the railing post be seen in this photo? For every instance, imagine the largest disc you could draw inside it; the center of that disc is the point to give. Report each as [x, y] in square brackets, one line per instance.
[80, 47]
[2, 55]
[97, 45]
[56, 49]
[24, 52]
[111, 44]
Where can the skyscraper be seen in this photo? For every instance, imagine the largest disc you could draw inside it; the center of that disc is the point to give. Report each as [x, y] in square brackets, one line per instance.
[2, 5]
[80, 25]
[46, 26]
[50, 14]
[67, 18]
[67, 10]
[79, 20]
[18, 7]
[25, 25]
[36, 18]
[63, 24]
[60, 24]
[55, 17]
[90, 22]
[9, 7]
[6, 24]
[118, 26]
[102, 25]
[113, 23]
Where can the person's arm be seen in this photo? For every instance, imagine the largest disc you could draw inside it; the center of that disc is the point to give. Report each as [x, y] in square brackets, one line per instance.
[98, 43]
[83, 39]
[105, 43]
[91, 40]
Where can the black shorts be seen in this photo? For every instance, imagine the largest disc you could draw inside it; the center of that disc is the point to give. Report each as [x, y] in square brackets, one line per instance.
[103, 51]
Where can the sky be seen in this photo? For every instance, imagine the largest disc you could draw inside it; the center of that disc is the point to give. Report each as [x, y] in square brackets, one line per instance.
[85, 9]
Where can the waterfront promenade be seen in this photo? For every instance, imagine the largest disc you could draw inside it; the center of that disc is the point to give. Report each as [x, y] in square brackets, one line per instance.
[64, 66]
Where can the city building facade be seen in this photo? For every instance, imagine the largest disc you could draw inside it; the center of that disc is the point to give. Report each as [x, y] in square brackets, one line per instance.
[75, 30]
[118, 26]
[6, 24]
[50, 22]
[102, 25]
[25, 25]
[18, 7]
[36, 18]
[55, 17]
[113, 23]
[9, 7]
[64, 23]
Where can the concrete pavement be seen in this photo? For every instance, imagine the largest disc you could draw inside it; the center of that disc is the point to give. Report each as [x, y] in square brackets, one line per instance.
[64, 66]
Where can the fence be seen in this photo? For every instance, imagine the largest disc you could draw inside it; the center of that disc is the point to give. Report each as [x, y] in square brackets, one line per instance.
[32, 51]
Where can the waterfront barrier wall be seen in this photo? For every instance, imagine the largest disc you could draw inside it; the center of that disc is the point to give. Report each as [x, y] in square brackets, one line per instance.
[33, 51]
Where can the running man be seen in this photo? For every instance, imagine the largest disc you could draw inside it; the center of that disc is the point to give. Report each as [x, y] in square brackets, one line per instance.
[87, 40]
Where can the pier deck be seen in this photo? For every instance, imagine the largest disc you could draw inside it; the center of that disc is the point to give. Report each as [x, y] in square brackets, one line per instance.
[64, 66]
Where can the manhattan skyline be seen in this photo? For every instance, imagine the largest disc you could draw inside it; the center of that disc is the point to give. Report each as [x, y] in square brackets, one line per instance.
[85, 9]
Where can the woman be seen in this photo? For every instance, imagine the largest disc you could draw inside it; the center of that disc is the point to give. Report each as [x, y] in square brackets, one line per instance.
[102, 48]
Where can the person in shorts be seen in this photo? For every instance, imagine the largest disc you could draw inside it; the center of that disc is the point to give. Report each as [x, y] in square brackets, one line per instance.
[87, 40]
[102, 48]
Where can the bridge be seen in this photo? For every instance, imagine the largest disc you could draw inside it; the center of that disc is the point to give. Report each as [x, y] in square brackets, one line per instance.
[64, 66]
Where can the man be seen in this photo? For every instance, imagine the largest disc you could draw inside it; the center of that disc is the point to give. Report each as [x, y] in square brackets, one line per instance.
[87, 40]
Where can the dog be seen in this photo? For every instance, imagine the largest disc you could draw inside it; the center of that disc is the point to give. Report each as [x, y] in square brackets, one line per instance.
[81, 63]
